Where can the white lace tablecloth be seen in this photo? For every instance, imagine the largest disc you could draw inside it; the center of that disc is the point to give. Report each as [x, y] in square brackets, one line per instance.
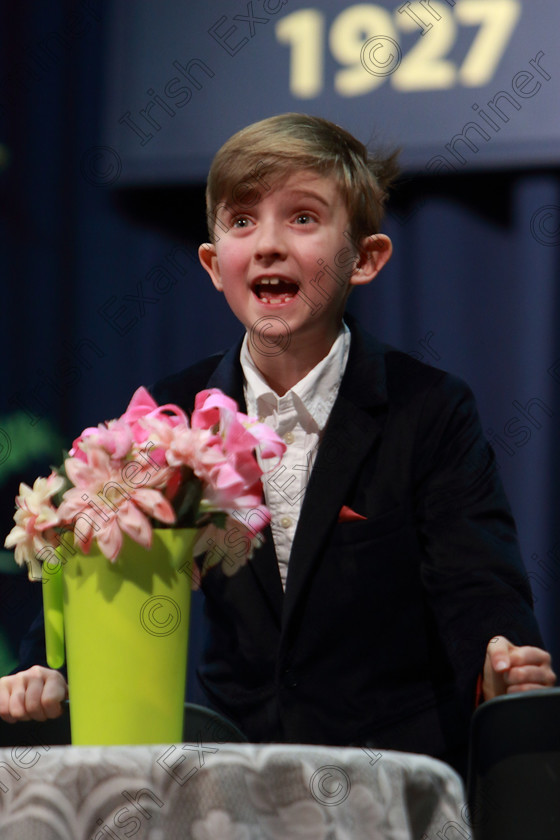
[214, 791]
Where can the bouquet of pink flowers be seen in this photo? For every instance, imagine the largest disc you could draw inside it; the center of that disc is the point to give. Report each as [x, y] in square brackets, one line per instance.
[151, 467]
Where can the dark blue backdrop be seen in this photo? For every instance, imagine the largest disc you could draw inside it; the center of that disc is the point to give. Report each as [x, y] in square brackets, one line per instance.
[459, 83]
[472, 287]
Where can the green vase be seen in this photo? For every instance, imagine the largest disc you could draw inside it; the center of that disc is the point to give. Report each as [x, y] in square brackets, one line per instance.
[124, 626]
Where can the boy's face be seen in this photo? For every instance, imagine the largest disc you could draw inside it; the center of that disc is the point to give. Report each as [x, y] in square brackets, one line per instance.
[288, 257]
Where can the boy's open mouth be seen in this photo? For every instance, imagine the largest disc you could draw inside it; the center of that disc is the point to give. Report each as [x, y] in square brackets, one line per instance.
[275, 289]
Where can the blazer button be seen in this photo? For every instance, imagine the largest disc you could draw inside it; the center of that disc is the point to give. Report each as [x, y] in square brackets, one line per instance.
[290, 680]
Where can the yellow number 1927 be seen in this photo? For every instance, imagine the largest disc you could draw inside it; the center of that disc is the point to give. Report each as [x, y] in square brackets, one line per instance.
[364, 40]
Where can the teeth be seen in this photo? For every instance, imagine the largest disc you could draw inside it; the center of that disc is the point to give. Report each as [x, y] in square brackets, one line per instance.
[274, 295]
[277, 298]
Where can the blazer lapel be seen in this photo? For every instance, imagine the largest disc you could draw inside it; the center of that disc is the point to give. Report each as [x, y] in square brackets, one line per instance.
[228, 376]
[352, 429]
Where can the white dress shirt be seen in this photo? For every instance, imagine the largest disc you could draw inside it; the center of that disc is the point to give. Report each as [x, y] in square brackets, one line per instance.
[299, 417]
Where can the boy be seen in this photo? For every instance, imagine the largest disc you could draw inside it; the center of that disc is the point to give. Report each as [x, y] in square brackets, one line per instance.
[371, 614]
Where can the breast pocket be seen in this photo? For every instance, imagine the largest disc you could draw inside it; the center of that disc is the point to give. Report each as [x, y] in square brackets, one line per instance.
[370, 530]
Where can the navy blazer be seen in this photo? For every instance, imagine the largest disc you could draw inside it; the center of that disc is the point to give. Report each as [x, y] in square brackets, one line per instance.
[381, 633]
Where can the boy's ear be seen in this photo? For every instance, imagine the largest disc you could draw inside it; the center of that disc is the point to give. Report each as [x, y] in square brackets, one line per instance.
[375, 251]
[209, 260]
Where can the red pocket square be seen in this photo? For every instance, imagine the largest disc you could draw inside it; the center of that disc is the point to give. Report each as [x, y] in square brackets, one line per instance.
[348, 515]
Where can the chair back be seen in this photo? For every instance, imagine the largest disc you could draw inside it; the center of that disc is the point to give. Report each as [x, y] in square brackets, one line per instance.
[514, 767]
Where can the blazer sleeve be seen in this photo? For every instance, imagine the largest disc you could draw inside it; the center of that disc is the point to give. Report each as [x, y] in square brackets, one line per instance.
[473, 573]
[32, 650]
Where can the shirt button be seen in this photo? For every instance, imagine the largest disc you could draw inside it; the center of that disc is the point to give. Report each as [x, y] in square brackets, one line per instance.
[285, 522]
[289, 437]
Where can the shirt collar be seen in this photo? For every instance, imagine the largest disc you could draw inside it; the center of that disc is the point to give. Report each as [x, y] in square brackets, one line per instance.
[314, 395]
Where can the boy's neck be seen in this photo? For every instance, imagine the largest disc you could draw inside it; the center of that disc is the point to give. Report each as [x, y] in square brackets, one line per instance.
[286, 369]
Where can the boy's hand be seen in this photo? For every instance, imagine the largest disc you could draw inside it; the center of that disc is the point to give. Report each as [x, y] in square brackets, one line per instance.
[508, 668]
[35, 694]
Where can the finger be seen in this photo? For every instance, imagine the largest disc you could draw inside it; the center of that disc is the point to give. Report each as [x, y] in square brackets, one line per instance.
[17, 706]
[527, 655]
[12, 693]
[540, 675]
[33, 707]
[4, 699]
[54, 693]
[5, 715]
[498, 651]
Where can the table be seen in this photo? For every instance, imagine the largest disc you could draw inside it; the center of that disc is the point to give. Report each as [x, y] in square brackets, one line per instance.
[215, 791]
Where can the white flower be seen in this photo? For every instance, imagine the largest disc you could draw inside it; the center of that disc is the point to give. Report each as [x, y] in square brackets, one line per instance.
[35, 517]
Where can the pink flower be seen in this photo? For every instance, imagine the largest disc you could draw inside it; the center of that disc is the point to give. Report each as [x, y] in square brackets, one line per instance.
[114, 437]
[142, 405]
[118, 436]
[210, 406]
[233, 483]
[239, 432]
[220, 450]
[105, 501]
[35, 520]
[162, 439]
[269, 444]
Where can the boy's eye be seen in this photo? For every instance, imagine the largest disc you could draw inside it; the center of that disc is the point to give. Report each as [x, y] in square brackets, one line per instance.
[304, 218]
[240, 222]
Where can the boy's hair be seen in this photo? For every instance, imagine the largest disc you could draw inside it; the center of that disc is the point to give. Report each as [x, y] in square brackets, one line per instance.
[256, 157]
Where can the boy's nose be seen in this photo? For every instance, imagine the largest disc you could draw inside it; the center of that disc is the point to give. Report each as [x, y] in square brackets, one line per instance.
[270, 242]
